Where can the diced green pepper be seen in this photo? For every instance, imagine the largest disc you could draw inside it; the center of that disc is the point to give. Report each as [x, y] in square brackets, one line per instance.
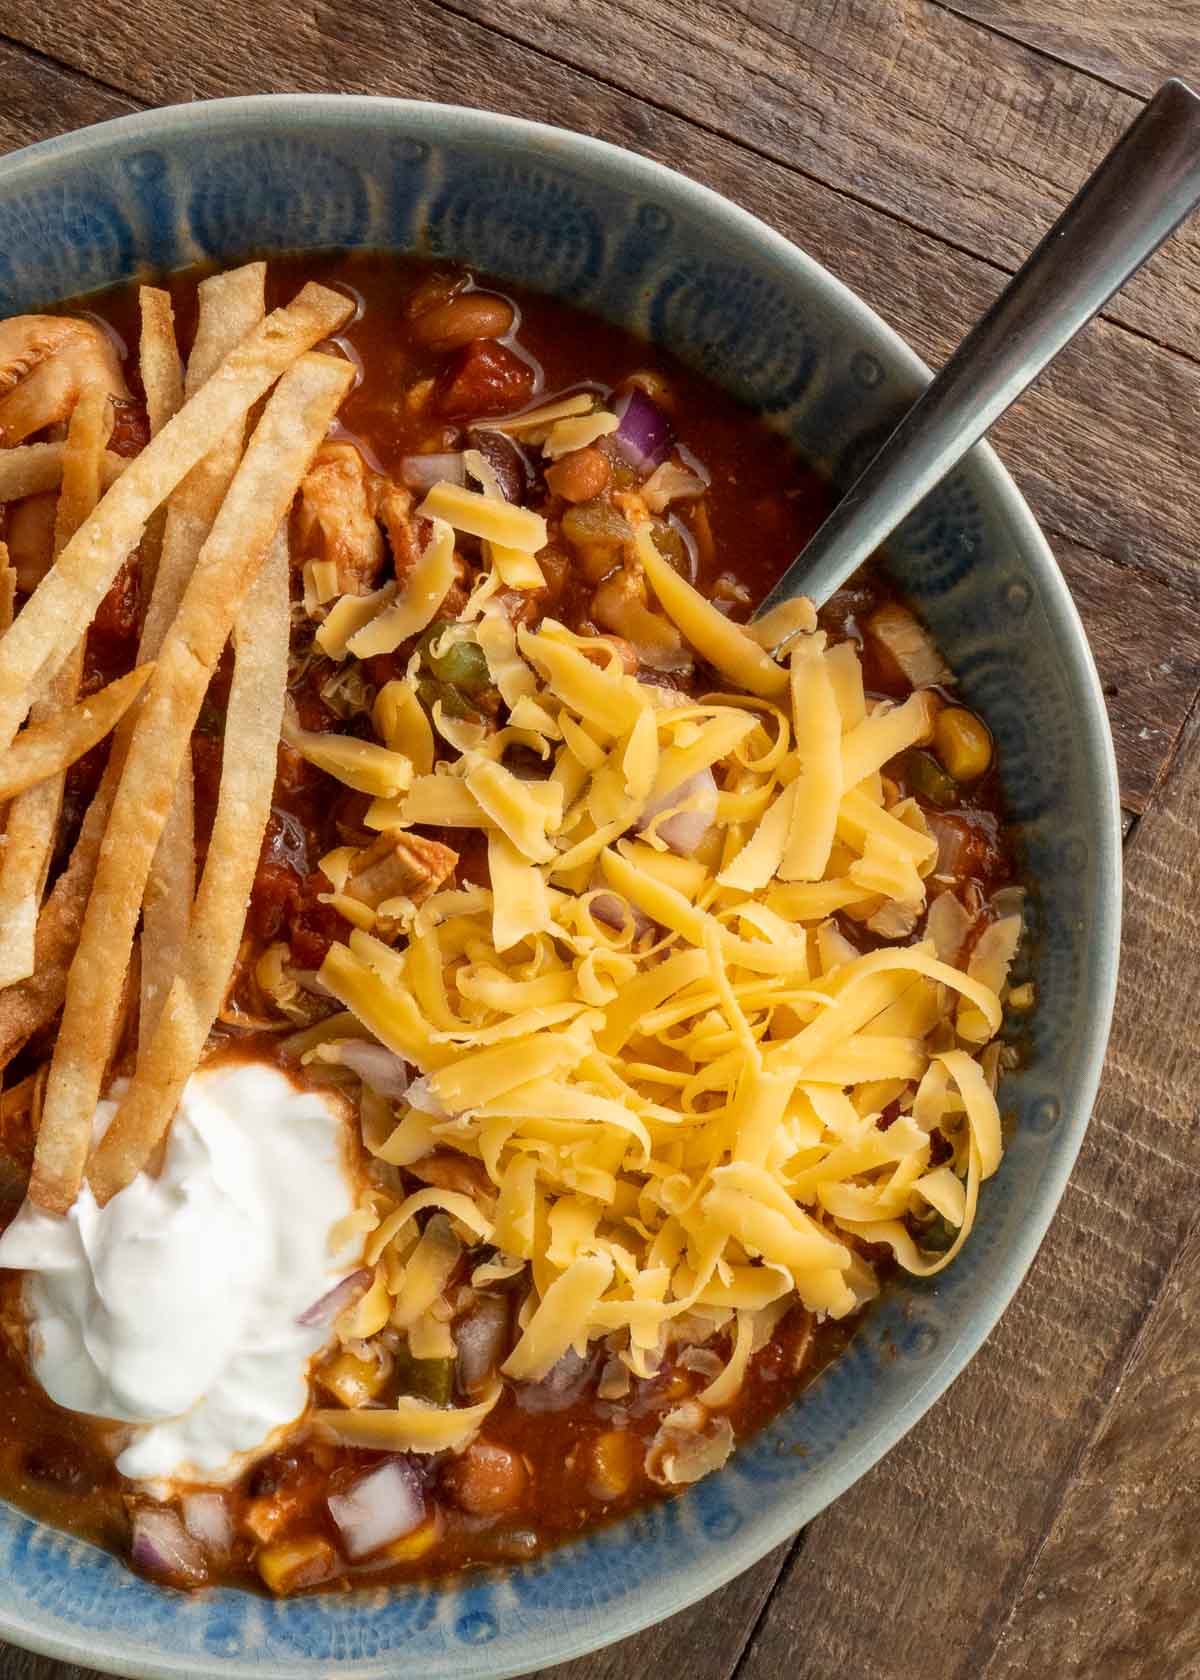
[924, 776]
[454, 702]
[936, 1236]
[670, 545]
[463, 664]
[428, 1379]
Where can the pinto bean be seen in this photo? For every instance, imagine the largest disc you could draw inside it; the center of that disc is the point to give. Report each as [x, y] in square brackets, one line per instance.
[486, 1479]
[579, 476]
[471, 315]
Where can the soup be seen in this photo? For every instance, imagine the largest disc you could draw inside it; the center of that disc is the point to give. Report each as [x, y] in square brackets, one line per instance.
[485, 1018]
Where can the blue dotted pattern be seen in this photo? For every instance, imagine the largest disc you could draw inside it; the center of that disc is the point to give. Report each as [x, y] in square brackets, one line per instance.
[655, 253]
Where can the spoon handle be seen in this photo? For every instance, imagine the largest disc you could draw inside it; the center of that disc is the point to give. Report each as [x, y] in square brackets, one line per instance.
[1140, 193]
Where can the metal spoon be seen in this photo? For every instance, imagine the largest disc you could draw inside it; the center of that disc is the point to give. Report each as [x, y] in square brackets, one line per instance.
[1138, 196]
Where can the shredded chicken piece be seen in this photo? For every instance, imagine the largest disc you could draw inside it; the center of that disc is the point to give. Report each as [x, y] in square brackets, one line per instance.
[336, 517]
[45, 362]
[399, 865]
[620, 604]
[395, 510]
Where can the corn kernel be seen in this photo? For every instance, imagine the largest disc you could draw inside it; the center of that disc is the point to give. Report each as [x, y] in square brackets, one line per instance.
[1021, 997]
[612, 1466]
[412, 1546]
[295, 1563]
[352, 1380]
[962, 743]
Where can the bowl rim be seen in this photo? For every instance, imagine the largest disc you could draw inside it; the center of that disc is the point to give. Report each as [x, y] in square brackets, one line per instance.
[657, 1599]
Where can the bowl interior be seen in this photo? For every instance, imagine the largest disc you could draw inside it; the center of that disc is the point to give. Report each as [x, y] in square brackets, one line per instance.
[641, 245]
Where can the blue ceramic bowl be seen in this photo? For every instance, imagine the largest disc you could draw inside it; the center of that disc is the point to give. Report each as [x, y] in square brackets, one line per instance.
[616, 234]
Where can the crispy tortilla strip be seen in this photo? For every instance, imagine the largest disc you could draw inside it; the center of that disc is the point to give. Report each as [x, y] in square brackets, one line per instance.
[293, 423]
[158, 357]
[61, 608]
[27, 1007]
[33, 816]
[45, 750]
[252, 725]
[231, 306]
[31, 468]
[162, 381]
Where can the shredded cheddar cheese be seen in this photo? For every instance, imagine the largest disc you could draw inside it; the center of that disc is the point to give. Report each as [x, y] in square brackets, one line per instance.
[687, 1091]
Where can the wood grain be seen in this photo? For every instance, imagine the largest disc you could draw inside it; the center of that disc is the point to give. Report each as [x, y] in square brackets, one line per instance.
[1102, 448]
[962, 136]
[1113, 1589]
[1133, 46]
[900, 103]
[40, 98]
[982, 1478]
[713, 1634]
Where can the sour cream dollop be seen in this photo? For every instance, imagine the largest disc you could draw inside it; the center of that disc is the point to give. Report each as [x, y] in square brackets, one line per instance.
[175, 1307]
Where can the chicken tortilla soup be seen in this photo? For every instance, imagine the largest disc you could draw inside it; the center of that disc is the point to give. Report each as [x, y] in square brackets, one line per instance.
[479, 1018]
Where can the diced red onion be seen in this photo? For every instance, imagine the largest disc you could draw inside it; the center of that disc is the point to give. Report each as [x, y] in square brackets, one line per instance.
[422, 472]
[335, 1301]
[948, 925]
[378, 1508]
[685, 830]
[421, 1097]
[953, 843]
[376, 1066]
[506, 459]
[644, 435]
[481, 1337]
[1009, 901]
[562, 1385]
[162, 1546]
[206, 1518]
[616, 913]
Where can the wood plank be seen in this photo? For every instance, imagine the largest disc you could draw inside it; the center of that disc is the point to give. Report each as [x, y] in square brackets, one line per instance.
[41, 98]
[713, 1633]
[1134, 47]
[1113, 1589]
[1114, 399]
[915, 1571]
[1146, 641]
[968, 134]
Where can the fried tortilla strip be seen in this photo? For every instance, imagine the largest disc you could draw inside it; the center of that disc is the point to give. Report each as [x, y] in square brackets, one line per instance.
[31, 468]
[158, 358]
[162, 381]
[293, 423]
[26, 1007]
[64, 603]
[33, 816]
[46, 750]
[231, 306]
[252, 724]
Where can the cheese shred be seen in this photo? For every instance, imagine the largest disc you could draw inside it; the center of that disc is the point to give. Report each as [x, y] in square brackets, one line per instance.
[685, 1095]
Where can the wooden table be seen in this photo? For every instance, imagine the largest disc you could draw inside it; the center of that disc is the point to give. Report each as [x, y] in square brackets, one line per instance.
[1042, 1520]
